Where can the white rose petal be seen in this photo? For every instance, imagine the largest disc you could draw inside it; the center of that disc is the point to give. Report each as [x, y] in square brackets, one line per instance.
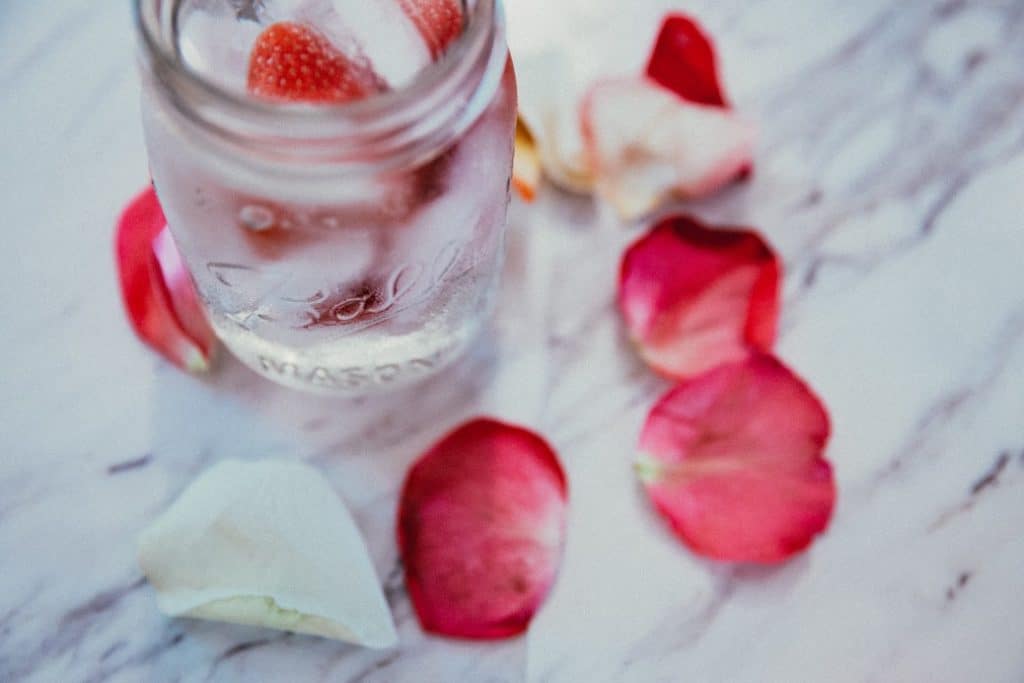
[548, 103]
[267, 544]
[647, 145]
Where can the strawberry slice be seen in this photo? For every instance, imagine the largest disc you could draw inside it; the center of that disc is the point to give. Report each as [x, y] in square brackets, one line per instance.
[481, 527]
[161, 302]
[645, 144]
[683, 60]
[438, 21]
[296, 63]
[695, 297]
[734, 460]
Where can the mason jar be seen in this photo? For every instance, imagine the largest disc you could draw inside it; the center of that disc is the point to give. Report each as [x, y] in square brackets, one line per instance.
[339, 248]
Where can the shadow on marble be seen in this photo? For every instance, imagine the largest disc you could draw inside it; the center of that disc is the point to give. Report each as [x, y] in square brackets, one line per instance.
[236, 413]
[234, 406]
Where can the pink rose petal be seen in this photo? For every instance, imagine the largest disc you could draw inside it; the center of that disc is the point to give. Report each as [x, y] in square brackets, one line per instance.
[734, 460]
[695, 297]
[159, 297]
[646, 145]
[481, 527]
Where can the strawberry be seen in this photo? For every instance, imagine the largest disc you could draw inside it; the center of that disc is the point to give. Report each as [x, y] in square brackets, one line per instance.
[296, 63]
[438, 21]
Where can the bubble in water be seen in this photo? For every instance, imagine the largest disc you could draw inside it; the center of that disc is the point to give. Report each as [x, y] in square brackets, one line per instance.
[330, 222]
[256, 218]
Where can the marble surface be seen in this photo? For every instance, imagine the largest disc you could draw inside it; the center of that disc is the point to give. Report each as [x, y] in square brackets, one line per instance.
[890, 175]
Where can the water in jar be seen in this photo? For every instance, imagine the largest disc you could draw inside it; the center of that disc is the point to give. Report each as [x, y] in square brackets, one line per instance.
[325, 282]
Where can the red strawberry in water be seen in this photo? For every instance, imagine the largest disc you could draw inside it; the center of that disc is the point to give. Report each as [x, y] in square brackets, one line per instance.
[161, 302]
[296, 63]
[481, 527]
[734, 460]
[438, 21]
[694, 297]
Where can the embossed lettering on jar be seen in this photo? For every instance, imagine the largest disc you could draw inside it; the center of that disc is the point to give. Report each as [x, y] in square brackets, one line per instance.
[339, 247]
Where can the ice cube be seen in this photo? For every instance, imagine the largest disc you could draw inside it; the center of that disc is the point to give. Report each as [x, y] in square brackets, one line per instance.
[216, 44]
[386, 36]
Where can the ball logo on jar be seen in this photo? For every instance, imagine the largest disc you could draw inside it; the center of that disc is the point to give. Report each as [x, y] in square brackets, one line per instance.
[352, 306]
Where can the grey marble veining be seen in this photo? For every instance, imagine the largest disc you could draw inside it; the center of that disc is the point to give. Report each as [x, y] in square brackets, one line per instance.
[890, 176]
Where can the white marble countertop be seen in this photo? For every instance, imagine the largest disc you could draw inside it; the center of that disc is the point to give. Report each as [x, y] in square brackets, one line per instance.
[890, 175]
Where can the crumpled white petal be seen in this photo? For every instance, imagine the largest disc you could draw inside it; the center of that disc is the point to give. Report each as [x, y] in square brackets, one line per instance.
[559, 49]
[549, 105]
[267, 544]
[554, 50]
[645, 144]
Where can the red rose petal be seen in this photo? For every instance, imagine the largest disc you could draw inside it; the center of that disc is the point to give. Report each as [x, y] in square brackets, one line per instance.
[481, 528]
[695, 297]
[683, 60]
[733, 459]
[161, 302]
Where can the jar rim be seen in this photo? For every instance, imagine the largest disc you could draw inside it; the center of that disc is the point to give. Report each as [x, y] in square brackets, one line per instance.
[398, 113]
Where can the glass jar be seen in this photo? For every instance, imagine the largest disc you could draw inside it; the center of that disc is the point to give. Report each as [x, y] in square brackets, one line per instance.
[338, 248]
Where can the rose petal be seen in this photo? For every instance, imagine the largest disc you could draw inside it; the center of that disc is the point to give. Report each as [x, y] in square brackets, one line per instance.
[734, 460]
[184, 300]
[159, 297]
[481, 528]
[526, 163]
[695, 297]
[683, 60]
[646, 144]
[266, 544]
[549, 93]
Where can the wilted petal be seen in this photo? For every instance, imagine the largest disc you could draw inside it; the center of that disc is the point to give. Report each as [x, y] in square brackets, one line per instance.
[549, 96]
[646, 145]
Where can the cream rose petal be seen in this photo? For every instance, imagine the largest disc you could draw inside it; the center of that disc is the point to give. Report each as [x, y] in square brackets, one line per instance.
[266, 544]
[646, 145]
[549, 95]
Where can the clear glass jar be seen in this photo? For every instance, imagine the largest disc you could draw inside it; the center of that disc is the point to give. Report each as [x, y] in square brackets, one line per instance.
[338, 248]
